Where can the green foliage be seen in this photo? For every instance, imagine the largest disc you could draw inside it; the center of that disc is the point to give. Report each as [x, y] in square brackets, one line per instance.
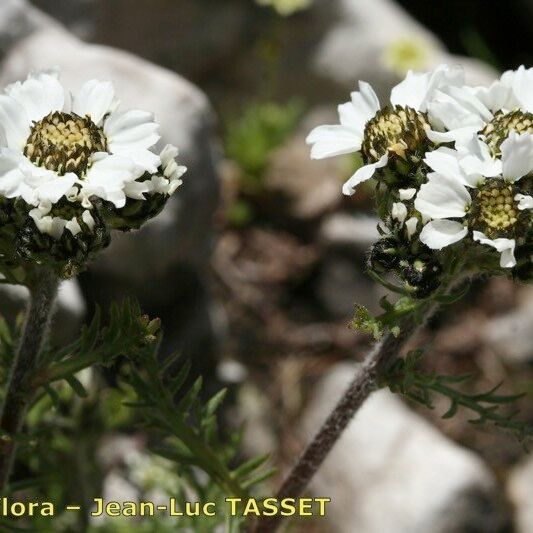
[251, 138]
[389, 320]
[128, 334]
[189, 426]
[404, 377]
[73, 408]
[405, 306]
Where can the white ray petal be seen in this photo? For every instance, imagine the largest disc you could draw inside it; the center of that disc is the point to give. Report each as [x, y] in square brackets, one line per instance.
[131, 134]
[399, 212]
[517, 156]
[329, 141]
[14, 122]
[438, 234]
[459, 135]
[363, 174]
[417, 89]
[442, 197]
[107, 178]
[407, 194]
[524, 201]
[411, 224]
[366, 103]
[521, 82]
[39, 94]
[504, 246]
[95, 99]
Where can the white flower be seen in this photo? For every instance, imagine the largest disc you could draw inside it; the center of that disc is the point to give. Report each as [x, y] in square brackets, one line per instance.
[411, 225]
[399, 212]
[54, 225]
[363, 127]
[493, 210]
[407, 53]
[54, 143]
[458, 112]
[172, 172]
[504, 246]
[520, 83]
[407, 194]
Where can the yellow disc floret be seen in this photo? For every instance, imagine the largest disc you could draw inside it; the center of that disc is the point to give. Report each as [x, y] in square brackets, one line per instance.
[398, 131]
[64, 142]
[495, 211]
[499, 128]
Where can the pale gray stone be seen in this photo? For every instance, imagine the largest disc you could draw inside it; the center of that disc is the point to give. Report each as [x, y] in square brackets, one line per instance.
[520, 492]
[392, 472]
[342, 229]
[511, 335]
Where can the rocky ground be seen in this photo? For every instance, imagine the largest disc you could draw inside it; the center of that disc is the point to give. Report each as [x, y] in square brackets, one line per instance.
[256, 265]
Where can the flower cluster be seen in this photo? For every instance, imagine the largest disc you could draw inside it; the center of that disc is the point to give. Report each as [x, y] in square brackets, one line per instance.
[453, 166]
[73, 168]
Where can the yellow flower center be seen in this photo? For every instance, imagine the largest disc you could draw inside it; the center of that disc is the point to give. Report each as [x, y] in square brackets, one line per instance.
[64, 142]
[495, 211]
[499, 128]
[398, 131]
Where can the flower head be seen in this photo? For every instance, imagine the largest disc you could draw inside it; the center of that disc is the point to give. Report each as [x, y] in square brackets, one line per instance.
[395, 132]
[493, 112]
[454, 164]
[479, 196]
[407, 53]
[72, 159]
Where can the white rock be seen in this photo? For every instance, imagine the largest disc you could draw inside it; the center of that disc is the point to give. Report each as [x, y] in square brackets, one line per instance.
[342, 229]
[18, 20]
[511, 335]
[355, 47]
[520, 491]
[392, 472]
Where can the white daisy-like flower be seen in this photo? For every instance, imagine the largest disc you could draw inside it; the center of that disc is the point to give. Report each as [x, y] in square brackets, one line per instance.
[469, 192]
[398, 130]
[493, 112]
[55, 145]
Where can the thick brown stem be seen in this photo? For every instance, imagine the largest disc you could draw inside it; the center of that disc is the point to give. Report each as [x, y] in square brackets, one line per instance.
[364, 383]
[17, 397]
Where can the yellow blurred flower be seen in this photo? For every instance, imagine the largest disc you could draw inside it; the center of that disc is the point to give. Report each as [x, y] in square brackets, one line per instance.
[286, 7]
[407, 53]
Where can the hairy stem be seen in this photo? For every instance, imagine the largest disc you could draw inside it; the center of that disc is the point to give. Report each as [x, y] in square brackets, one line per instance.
[17, 396]
[363, 384]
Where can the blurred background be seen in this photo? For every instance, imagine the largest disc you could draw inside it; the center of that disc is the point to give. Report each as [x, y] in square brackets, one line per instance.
[256, 263]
